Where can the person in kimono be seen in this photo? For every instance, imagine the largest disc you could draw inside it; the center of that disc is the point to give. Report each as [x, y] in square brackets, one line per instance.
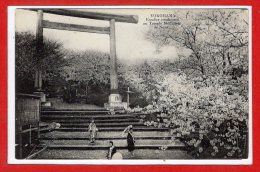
[92, 128]
[130, 140]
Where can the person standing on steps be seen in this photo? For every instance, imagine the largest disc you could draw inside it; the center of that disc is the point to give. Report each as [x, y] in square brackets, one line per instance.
[92, 128]
[130, 140]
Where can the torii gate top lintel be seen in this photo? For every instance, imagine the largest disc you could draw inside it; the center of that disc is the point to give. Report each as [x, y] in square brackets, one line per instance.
[90, 15]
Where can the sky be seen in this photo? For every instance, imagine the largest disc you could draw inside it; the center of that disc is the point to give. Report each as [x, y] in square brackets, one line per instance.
[131, 45]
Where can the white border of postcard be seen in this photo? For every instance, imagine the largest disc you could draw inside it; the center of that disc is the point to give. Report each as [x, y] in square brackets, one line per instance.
[11, 99]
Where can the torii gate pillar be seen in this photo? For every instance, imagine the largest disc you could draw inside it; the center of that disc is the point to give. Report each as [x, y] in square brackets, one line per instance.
[115, 99]
[113, 59]
[39, 52]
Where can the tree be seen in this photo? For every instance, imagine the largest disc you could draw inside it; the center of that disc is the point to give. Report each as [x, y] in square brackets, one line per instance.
[211, 39]
[88, 66]
[187, 34]
[229, 44]
[208, 106]
[88, 71]
[26, 62]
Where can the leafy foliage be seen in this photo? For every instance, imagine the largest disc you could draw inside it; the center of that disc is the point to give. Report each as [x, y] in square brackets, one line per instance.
[26, 61]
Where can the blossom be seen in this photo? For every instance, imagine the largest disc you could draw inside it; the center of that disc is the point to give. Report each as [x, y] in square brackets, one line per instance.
[200, 149]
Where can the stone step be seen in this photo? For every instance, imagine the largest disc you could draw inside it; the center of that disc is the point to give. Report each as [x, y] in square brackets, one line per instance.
[89, 120]
[50, 109]
[71, 116]
[107, 138]
[114, 129]
[77, 112]
[117, 142]
[108, 135]
[101, 154]
[104, 144]
[85, 125]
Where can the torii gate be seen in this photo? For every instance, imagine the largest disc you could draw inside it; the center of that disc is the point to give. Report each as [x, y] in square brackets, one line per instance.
[115, 100]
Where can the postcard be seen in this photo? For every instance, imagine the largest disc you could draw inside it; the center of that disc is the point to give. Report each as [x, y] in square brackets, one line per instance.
[130, 85]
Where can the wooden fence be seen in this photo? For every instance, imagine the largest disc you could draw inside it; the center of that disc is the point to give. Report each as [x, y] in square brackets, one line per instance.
[27, 117]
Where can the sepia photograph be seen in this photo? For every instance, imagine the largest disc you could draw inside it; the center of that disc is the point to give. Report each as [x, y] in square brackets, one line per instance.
[161, 84]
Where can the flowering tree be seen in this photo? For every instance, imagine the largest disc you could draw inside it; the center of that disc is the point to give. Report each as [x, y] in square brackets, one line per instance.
[210, 41]
[206, 102]
[209, 115]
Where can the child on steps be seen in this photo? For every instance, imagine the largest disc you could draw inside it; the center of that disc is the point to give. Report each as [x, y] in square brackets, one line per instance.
[92, 128]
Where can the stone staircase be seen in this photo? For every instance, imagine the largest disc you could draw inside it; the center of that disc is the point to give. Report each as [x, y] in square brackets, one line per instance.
[71, 140]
